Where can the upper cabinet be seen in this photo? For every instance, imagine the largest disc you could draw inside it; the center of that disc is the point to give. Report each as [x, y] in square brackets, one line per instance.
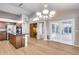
[25, 18]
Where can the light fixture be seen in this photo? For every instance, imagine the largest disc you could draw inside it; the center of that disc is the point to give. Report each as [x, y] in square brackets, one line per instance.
[46, 11]
[36, 18]
[38, 13]
[45, 14]
[52, 12]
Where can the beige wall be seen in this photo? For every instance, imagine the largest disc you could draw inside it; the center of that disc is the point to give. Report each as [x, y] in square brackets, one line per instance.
[77, 31]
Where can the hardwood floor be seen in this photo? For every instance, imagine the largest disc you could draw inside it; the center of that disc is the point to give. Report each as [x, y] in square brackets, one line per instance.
[38, 47]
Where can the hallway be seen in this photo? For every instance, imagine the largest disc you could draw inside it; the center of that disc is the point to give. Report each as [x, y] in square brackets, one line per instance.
[38, 47]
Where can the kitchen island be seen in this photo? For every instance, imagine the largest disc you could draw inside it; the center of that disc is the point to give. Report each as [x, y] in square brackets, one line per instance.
[17, 41]
[15, 35]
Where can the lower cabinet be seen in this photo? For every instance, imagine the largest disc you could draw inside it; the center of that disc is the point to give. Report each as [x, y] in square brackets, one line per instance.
[17, 41]
[2, 36]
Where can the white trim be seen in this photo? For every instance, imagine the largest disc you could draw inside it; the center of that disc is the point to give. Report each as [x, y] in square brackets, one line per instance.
[59, 41]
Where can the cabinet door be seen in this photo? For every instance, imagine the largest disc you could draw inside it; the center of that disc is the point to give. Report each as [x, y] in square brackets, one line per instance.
[23, 42]
[2, 36]
[18, 41]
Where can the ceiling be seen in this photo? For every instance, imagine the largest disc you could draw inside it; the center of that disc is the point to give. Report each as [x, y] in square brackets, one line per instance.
[30, 8]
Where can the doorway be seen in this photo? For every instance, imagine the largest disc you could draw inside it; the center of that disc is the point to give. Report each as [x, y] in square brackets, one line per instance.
[62, 31]
[67, 32]
[55, 26]
[33, 30]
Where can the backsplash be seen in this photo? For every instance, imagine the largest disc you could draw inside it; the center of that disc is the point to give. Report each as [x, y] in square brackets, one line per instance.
[2, 29]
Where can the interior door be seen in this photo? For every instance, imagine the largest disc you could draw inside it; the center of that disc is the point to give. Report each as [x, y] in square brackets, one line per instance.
[67, 32]
[33, 30]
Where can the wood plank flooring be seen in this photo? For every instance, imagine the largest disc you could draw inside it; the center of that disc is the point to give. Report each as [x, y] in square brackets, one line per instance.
[38, 47]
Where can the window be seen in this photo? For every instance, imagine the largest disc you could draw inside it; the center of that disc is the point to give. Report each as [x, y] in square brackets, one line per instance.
[66, 29]
[70, 30]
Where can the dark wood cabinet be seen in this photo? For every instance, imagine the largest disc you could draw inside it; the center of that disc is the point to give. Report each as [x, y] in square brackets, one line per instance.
[3, 31]
[17, 41]
[2, 36]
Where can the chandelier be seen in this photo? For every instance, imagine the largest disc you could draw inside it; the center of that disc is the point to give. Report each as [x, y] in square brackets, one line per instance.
[45, 14]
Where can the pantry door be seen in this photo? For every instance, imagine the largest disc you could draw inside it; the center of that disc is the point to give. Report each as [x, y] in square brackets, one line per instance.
[67, 32]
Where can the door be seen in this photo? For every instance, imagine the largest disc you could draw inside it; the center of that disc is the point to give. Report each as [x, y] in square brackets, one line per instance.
[55, 31]
[67, 32]
[33, 30]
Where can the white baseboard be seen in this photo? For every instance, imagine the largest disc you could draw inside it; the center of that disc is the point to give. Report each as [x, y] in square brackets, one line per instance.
[59, 41]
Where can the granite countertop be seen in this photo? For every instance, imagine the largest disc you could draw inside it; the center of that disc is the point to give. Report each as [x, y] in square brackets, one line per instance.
[23, 34]
[18, 34]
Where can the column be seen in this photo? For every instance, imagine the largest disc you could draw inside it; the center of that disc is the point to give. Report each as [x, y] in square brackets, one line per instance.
[38, 34]
[45, 30]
